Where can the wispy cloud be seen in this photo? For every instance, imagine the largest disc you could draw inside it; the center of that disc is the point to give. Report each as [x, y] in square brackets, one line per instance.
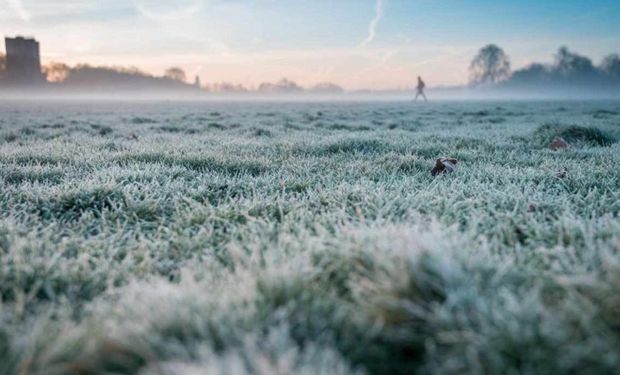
[164, 11]
[372, 26]
[19, 9]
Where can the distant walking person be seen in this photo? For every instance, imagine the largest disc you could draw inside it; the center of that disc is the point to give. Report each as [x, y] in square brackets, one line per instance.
[420, 90]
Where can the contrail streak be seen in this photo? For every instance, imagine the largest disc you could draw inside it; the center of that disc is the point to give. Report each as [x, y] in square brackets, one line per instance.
[372, 27]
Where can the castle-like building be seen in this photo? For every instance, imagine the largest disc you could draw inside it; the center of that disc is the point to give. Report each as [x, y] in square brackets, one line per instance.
[23, 61]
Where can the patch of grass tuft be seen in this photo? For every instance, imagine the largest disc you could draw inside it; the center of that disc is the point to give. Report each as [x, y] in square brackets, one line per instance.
[71, 206]
[353, 145]
[573, 134]
[18, 176]
[200, 164]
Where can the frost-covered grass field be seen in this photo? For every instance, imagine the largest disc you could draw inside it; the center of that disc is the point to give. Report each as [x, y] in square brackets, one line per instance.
[274, 238]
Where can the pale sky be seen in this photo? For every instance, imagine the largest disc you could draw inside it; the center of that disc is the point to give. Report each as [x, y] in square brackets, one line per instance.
[359, 44]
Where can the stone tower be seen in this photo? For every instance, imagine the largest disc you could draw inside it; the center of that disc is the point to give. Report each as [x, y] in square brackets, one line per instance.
[23, 61]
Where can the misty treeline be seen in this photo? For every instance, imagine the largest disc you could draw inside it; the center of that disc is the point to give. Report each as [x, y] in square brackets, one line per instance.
[84, 76]
[282, 86]
[87, 76]
[491, 67]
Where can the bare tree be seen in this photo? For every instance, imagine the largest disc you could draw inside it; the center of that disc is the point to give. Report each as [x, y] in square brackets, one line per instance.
[56, 72]
[491, 65]
[175, 74]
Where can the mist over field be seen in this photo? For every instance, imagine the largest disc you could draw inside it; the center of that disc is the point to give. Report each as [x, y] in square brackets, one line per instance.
[571, 76]
[202, 237]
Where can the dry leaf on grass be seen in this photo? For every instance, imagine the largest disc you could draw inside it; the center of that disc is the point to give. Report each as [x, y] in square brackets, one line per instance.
[444, 165]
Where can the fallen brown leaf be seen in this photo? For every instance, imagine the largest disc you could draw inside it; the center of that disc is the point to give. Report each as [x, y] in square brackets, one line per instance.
[444, 165]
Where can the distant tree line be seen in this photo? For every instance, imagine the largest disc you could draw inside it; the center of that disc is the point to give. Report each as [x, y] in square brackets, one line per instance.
[491, 67]
[282, 86]
[84, 76]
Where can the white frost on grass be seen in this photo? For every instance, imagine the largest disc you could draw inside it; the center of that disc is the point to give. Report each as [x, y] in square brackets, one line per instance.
[264, 238]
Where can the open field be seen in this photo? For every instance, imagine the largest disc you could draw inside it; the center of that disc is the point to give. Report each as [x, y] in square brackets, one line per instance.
[192, 238]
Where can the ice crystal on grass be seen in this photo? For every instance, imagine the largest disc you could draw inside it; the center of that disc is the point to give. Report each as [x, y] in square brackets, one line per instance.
[308, 238]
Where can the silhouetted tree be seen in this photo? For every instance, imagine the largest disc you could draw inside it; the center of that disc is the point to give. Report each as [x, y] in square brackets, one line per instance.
[611, 65]
[56, 72]
[570, 72]
[226, 87]
[491, 65]
[103, 78]
[535, 72]
[283, 85]
[175, 74]
[326, 87]
[85, 75]
[568, 63]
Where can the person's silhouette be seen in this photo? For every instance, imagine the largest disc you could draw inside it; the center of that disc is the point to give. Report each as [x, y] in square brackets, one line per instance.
[420, 90]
